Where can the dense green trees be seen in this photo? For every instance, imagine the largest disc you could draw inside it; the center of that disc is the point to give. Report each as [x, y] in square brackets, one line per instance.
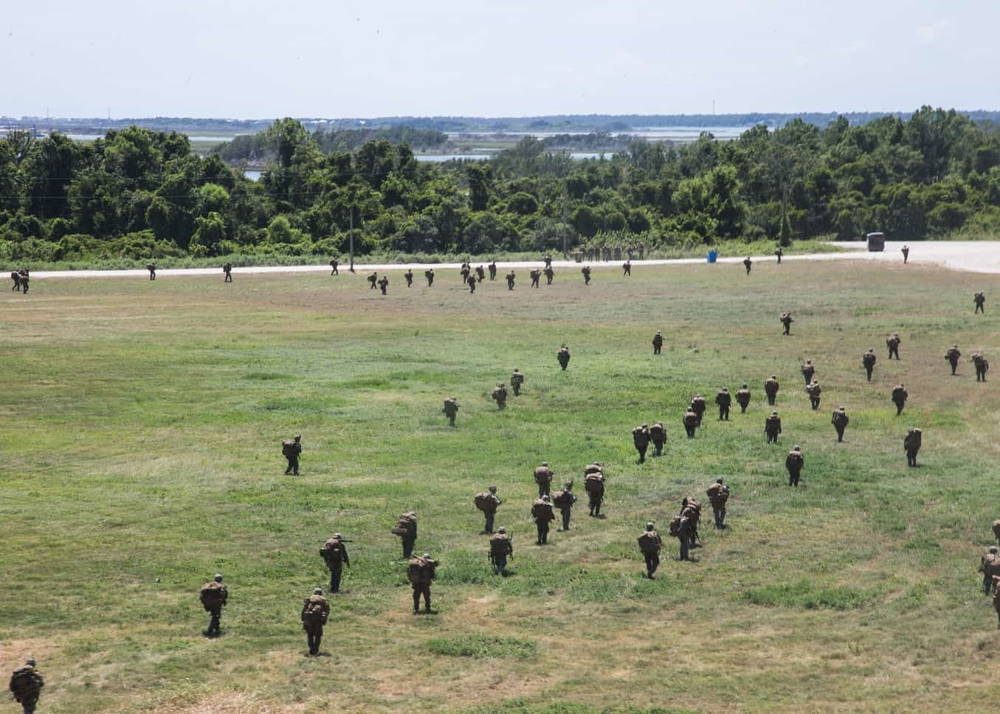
[137, 193]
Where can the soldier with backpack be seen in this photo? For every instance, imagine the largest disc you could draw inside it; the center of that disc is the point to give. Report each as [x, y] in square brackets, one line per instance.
[814, 391]
[980, 300]
[25, 281]
[658, 435]
[563, 357]
[213, 596]
[315, 611]
[549, 274]
[488, 502]
[26, 686]
[535, 274]
[657, 342]
[911, 445]
[406, 529]
[227, 270]
[680, 528]
[794, 463]
[499, 395]
[996, 597]
[383, 284]
[334, 265]
[334, 554]
[786, 322]
[291, 450]
[771, 389]
[429, 276]
[585, 270]
[899, 396]
[982, 366]
[480, 273]
[564, 500]
[893, 344]
[421, 572]
[649, 545]
[840, 421]
[516, 382]
[747, 263]
[698, 406]
[989, 566]
[543, 477]
[450, 410]
[952, 356]
[743, 398]
[690, 420]
[868, 360]
[593, 484]
[16, 277]
[718, 496]
[772, 428]
[640, 439]
[724, 400]
[541, 513]
[408, 277]
[492, 267]
[511, 277]
[151, 267]
[501, 548]
[808, 370]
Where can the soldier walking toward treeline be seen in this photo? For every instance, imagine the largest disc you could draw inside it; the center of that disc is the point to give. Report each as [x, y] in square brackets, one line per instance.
[450, 410]
[640, 439]
[649, 545]
[429, 275]
[291, 450]
[421, 572]
[627, 269]
[585, 270]
[25, 281]
[815, 392]
[772, 428]
[980, 300]
[989, 566]
[406, 529]
[499, 395]
[151, 267]
[334, 554]
[408, 276]
[808, 371]
[698, 406]
[541, 513]
[690, 420]
[593, 484]
[893, 344]
[511, 277]
[911, 445]
[543, 478]
[227, 269]
[658, 435]
[952, 356]
[26, 686]
[794, 463]
[840, 421]
[516, 380]
[899, 396]
[492, 267]
[535, 275]
[549, 274]
[718, 496]
[488, 502]
[747, 263]
[480, 273]
[16, 277]
[657, 342]
[868, 360]
[743, 398]
[982, 366]
[564, 500]
[563, 357]
[315, 611]
[213, 596]
[771, 389]
[724, 400]
[334, 265]
[501, 548]
[372, 280]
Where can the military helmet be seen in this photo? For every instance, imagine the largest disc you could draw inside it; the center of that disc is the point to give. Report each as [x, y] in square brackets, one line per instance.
[645, 426]
[545, 463]
[744, 386]
[545, 498]
[317, 591]
[774, 413]
[725, 389]
[501, 530]
[218, 577]
[658, 332]
[493, 489]
[427, 555]
[718, 480]
[796, 448]
[453, 399]
[567, 486]
[993, 549]
[841, 409]
[298, 437]
[773, 377]
[337, 536]
[30, 662]
[649, 526]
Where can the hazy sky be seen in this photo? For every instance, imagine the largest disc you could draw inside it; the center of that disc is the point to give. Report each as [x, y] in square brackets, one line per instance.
[356, 58]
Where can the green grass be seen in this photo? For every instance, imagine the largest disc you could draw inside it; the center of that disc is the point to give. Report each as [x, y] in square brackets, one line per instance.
[140, 453]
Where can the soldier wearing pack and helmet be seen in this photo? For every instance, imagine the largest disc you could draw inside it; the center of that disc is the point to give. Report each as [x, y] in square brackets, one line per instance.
[16, 277]
[372, 280]
[982, 366]
[406, 529]
[334, 554]
[690, 420]
[771, 389]
[543, 478]
[499, 395]
[698, 406]
[786, 322]
[535, 274]
[718, 496]
[450, 410]
[383, 284]
[429, 276]
[996, 598]
[291, 450]
[511, 277]
[492, 267]
[213, 596]
[793, 464]
[952, 356]
[743, 398]
[658, 435]
[989, 566]
[26, 686]
[488, 502]
[868, 360]
[772, 428]
[501, 548]
[840, 421]
[562, 356]
[649, 545]
[408, 277]
[564, 500]
[657, 342]
[480, 273]
[911, 445]
[893, 344]
[724, 400]
[899, 396]
[541, 513]
[585, 270]
[640, 439]
[315, 611]
[421, 572]
[808, 371]
[593, 484]
[516, 381]
[980, 301]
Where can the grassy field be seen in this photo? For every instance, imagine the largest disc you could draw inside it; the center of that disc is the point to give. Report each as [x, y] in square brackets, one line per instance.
[140, 453]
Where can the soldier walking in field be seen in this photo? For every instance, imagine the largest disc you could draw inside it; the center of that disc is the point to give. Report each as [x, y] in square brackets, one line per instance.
[905, 250]
[772, 428]
[996, 530]
[899, 396]
[982, 366]
[649, 545]
[658, 435]
[429, 275]
[840, 421]
[334, 265]
[724, 400]
[480, 273]
[743, 398]
[516, 381]
[747, 263]
[151, 267]
[501, 548]
[564, 500]
[911, 445]
[690, 420]
[315, 611]
[465, 270]
[450, 410]
[406, 529]
[980, 301]
[535, 274]
[786, 322]
[488, 502]
[510, 280]
[893, 344]
[794, 463]
[814, 391]
[657, 342]
[543, 479]
[549, 274]
[541, 513]
[771, 389]
[585, 270]
[499, 395]
[640, 439]
[16, 277]
[227, 270]
[989, 566]
[25, 281]
[291, 450]
[808, 371]
[471, 282]
[627, 269]
[868, 360]
[952, 356]
[383, 284]
[372, 281]
[563, 357]
[334, 554]
[778, 253]
[213, 596]
[698, 406]
[408, 277]
[492, 267]
[718, 496]
[593, 484]
[26, 686]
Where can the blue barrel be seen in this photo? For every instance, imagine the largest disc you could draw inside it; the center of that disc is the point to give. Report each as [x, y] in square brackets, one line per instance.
[712, 256]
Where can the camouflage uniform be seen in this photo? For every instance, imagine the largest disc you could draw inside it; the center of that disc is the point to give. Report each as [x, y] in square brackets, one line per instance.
[980, 301]
[315, 611]
[383, 284]
[649, 545]
[996, 598]
[893, 344]
[952, 356]
[718, 496]
[466, 269]
[291, 450]
[516, 380]
[535, 276]
[213, 596]
[724, 400]
[868, 360]
[747, 263]
[786, 322]
[510, 280]
[771, 389]
[814, 391]
[899, 396]
[593, 483]
[657, 342]
[989, 566]
[334, 264]
[982, 366]
[996, 530]
[690, 423]
[794, 463]
[26, 686]
[406, 529]
[840, 421]
[772, 428]
[408, 276]
[501, 548]
[743, 398]
[911, 445]
[549, 274]
[563, 357]
[778, 253]
[471, 282]
[492, 267]
[627, 268]
[25, 281]
[488, 502]
[429, 275]
[543, 478]
[450, 410]
[541, 513]
[564, 500]
[227, 270]
[480, 273]
[640, 439]
[658, 435]
[151, 267]
[16, 277]
[698, 406]
[372, 281]
[334, 554]
[499, 395]
[421, 572]
[586, 274]
[808, 370]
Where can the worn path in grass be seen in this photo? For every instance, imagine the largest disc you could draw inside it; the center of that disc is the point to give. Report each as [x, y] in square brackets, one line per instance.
[140, 427]
[975, 256]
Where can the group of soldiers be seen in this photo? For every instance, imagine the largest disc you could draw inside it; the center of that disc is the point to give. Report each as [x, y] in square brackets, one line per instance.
[21, 279]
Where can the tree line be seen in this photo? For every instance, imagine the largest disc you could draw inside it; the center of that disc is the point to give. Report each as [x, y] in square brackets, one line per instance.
[137, 193]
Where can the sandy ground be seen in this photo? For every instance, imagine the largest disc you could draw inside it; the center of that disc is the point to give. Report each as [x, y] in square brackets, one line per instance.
[974, 256]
